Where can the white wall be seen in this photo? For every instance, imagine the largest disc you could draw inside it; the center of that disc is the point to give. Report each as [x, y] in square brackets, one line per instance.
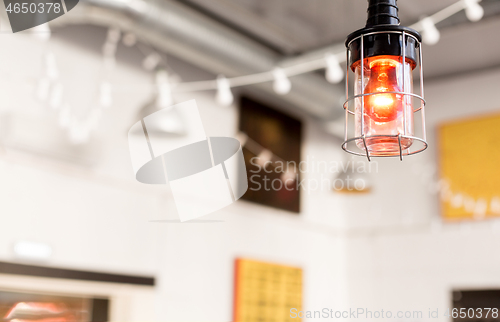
[96, 217]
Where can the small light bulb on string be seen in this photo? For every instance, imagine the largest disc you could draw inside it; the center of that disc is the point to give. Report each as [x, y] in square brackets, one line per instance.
[495, 205]
[288, 177]
[282, 84]
[164, 99]
[224, 95]
[105, 94]
[430, 33]
[56, 95]
[480, 209]
[41, 32]
[473, 10]
[264, 158]
[114, 35]
[151, 61]
[129, 39]
[109, 48]
[334, 73]
[457, 200]
[469, 204]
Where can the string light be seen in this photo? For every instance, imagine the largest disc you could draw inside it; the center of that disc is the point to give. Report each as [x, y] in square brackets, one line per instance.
[264, 157]
[129, 39]
[495, 205]
[288, 177]
[109, 48]
[480, 209]
[457, 200]
[242, 137]
[114, 35]
[334, 72]
[430, 34]
[473, 10]
[282, 84]
[426, 26]
[224, 95]
[151, 61]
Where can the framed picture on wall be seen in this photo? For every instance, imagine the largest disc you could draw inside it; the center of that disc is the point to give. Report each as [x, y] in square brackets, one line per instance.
[266, 292]
[469, 171]
[475, 306]
[272, 155]
[48, 307]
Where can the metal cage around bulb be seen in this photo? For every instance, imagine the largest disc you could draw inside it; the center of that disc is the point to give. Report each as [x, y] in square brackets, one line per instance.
[402, 45]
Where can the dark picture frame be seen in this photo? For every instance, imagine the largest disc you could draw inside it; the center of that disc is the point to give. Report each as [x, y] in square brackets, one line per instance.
[281, 134]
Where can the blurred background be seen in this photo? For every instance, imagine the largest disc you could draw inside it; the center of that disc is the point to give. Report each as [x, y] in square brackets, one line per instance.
[82, 240]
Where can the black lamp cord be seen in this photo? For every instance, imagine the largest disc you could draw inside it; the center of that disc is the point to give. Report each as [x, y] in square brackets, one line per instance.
[382, 12]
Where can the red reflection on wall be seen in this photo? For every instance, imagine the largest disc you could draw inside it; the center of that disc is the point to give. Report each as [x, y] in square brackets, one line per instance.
[39, 312]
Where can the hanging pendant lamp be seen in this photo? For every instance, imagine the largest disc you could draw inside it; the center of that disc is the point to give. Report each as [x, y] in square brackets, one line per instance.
[383, 57]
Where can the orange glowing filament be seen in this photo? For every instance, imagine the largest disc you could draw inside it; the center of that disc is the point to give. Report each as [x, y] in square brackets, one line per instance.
[383, 78]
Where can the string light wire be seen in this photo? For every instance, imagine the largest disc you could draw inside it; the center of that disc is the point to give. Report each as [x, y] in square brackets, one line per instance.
[309, 66]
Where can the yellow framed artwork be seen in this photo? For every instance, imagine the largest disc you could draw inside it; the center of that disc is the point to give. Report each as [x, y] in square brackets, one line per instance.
[265, 292]
[470, 168]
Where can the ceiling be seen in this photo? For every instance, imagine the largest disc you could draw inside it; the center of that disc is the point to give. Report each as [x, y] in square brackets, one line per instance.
[295, 27]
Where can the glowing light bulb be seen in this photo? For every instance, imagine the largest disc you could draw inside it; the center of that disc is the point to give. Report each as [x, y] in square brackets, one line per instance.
[334, 73]
[282, 84]
[430, 34]
[387, 113]
[473, 10]
[224, 95]
[383, 78]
